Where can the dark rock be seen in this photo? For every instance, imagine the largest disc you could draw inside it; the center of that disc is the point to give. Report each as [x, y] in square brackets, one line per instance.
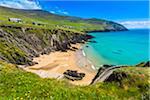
[2, 34]
[116, 76]
[147, 64]
[73, 75]
[143, 64]
[32, 63]
[37, 55]
[107, 66]
[75, 48]
[35, 62]
[100, 70]
[92, 41]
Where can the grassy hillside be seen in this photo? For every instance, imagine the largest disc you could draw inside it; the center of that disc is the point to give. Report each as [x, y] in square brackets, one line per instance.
[18, 84]
[51, 20]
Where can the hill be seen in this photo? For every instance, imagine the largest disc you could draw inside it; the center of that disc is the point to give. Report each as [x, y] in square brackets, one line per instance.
[52, 20]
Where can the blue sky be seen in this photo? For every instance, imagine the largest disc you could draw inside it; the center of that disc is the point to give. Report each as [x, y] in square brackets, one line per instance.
[111, 10]
[132, 14]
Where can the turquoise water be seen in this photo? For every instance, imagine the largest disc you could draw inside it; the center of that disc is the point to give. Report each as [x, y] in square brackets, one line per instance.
[118, 48]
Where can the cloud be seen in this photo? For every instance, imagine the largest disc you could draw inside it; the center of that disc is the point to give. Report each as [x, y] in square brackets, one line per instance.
[62, 12]
[58, 10]
[136, 24]
[52, 12]
[31, 4]
[20, 4]
[65, 13]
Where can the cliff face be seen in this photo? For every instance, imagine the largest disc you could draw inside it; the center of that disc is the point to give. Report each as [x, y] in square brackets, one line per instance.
[19, 45]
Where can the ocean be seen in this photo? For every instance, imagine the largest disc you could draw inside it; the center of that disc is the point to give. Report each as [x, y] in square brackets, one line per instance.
[118, 48]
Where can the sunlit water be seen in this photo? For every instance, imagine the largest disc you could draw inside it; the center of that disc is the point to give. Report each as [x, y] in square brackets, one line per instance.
[118, 48]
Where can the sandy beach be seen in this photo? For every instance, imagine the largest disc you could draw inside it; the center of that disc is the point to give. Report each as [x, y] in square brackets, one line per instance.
[56, 63]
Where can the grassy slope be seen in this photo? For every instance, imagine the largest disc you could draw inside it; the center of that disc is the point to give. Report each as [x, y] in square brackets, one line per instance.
[51, 20]
[46, 18]
[11, 52]
[16, 83]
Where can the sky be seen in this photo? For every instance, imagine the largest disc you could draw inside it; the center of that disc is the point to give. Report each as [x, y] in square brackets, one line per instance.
[132, 14]
[21, 4]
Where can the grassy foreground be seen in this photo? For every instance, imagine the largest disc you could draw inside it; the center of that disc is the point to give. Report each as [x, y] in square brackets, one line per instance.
[16, 84]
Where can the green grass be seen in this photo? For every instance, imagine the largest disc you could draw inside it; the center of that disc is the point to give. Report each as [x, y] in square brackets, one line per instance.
[11, 53]
[17, 84]
[50, 20]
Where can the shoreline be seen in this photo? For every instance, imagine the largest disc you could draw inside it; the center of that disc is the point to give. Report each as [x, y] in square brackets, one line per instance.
[84, 54]
[56, 63]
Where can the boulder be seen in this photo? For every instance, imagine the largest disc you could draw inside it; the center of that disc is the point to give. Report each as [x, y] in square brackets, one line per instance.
[73, 75]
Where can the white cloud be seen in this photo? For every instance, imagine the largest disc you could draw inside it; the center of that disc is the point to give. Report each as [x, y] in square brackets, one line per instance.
[52, 12]
[20, 4]
[30, 4]
[61, 11]
[58, 10]
[136, 24]
[66, 13]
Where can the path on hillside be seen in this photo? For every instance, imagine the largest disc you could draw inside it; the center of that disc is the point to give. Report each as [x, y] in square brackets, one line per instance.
[105, 74]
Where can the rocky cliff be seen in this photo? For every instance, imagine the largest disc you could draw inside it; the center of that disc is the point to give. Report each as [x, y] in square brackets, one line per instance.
[19, 45]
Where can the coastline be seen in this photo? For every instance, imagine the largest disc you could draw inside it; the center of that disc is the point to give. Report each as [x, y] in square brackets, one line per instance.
[84, 57]
[56, 63]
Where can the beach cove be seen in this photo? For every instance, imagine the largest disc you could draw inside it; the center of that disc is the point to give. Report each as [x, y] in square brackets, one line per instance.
[56, 63]
[90, 56]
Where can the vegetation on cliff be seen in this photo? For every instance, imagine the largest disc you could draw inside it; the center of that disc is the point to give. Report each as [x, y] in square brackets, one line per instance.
[19, 45]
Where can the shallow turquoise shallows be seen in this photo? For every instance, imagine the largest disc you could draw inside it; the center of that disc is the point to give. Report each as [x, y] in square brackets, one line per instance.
[118, 48]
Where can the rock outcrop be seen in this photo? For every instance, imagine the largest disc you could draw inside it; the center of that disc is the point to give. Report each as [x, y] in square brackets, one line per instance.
[28, 43]
[114, 75]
